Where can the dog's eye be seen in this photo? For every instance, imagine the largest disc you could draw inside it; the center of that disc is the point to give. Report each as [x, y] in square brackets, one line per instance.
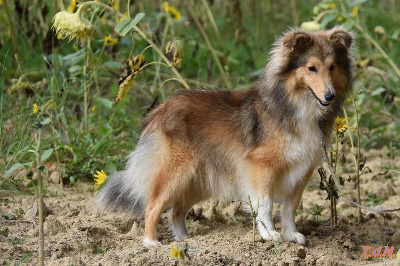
[331, 68]
[312, 68]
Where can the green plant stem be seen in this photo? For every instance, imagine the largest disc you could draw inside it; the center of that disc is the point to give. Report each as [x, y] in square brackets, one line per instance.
[86, 91]
[212, 22]
[165, 81]
[322, 14]
[356, 152]
[211, 48]
[12, 33]
[157, 77]
[144, 36]
[358, 161]
[253, 216]
[152, 63]
[219, 53]
[336, 153]
[40, 199]
[366, 35]
[295, 15]
[332, 189]
[189, 81]
[166, 60]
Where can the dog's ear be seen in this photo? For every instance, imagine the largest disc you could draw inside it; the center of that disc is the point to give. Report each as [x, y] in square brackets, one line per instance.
[297, 40]
[341, 37]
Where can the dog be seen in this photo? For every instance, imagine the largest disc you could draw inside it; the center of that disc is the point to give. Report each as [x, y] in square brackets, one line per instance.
[263, 142]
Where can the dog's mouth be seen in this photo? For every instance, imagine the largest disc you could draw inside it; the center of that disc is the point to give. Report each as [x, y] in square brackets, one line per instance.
[322, 103]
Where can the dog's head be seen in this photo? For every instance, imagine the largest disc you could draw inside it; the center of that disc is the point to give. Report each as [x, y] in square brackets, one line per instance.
[317, 62]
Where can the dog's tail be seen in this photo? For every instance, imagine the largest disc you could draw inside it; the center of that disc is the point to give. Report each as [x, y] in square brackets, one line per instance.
[129, 189]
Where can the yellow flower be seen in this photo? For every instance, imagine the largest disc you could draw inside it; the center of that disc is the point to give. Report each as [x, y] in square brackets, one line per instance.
[364, 62]
[103, 20]
[341, 126]
[109, 41]
[115, 4]
[72, 6]
[35, 109]
[354, 11]
[122, 18]
[332, 5]
[93, 108]
[339, 19]
[99, 178]
[172, 11]
[1, 2]
[73, 25]
[176, 253]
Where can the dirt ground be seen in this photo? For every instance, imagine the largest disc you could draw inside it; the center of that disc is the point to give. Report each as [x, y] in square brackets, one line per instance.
[221, 233]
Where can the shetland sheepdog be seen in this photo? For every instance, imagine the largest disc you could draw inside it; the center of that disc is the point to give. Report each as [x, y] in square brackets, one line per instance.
[263, 142]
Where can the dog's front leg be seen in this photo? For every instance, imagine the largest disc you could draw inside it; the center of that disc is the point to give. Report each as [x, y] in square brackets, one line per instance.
[288, 223]
[264, 220]
[290, 204]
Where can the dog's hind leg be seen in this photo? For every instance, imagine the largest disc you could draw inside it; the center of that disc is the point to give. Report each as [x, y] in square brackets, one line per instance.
[173, 179]
[155, 207]
[181, 206]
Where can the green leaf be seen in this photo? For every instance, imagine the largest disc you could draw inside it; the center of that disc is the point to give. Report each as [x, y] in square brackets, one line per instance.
[356, 2]
[113, 65]
[105, 102]
[102, 143]
[74, 57]
[14, 167]
[33, 183]
[10, 187]
[75, 69]
[4, 232]
[9, 216]
[45, 155]
[46, 121]
[378, 91]
[328, 18]
[126, 25]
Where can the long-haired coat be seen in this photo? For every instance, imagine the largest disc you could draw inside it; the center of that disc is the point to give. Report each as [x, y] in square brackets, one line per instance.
[264, 142]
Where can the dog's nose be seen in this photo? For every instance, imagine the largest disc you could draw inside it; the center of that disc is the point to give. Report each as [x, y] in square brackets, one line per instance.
[329, 97]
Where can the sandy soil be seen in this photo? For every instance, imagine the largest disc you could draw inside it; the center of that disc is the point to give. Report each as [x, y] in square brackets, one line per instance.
[221, 234]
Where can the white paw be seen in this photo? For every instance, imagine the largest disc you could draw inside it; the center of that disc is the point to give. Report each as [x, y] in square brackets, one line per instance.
[270, 234]
[148, 243]
[294, 237]
[179, 230]
[180, 236]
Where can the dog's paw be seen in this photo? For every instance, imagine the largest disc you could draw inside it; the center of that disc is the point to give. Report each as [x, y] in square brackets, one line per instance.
[148, 243]
[179, 232]
[294, 237]
[180, 236]
[270, 235]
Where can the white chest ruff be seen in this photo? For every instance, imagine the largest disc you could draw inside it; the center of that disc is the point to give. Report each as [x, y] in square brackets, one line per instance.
[303, 152]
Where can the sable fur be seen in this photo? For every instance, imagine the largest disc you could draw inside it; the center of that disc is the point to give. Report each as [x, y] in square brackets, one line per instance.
[263, 142]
